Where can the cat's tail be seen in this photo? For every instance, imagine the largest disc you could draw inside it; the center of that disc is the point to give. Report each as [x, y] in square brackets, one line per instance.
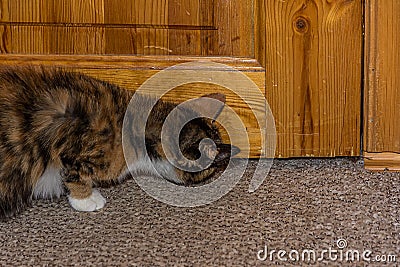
[13, 201]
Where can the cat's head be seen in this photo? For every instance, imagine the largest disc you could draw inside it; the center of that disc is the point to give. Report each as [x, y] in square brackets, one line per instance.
[202, 151]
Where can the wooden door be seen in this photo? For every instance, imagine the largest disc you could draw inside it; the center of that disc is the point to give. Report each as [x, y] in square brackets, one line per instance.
[305, 56]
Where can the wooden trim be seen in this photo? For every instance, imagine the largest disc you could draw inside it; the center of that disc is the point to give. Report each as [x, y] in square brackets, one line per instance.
[381, 98]
[126, 62]
[370, 67]
[259, 32]
[382, 82]
[108, 25]
[382, 161]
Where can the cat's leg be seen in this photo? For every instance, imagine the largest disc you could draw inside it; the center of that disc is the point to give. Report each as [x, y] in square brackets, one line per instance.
[82, 197]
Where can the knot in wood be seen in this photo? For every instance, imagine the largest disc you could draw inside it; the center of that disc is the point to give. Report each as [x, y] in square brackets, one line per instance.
[301, 24]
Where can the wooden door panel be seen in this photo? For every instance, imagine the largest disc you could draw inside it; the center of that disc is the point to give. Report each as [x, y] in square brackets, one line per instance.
[313, 75]
[151, 27]
[382, 85]
[52, 12]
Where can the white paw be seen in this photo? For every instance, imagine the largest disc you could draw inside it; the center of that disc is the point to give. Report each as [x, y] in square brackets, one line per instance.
[95, 202]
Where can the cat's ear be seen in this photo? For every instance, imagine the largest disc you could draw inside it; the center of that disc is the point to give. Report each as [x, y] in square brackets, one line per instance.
[212, 108]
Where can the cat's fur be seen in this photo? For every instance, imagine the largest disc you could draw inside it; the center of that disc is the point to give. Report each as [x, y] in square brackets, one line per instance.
[61, 132]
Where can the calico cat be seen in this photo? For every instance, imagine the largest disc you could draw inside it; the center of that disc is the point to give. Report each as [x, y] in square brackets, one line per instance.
[61, 132]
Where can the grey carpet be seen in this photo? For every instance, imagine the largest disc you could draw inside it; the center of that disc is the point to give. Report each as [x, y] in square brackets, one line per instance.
[303, 204]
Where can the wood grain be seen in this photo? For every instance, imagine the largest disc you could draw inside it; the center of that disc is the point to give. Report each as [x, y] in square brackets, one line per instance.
[131, 72]
[313, 78]
[382, 85]
[248, 65]
[260, 32]
[154, 27]
[382, 94]
[383, 161]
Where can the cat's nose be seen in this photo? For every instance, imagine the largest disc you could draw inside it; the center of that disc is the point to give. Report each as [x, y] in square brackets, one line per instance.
[225, 151]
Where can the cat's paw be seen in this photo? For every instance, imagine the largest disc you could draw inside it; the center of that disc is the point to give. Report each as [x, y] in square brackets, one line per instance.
[94, 202]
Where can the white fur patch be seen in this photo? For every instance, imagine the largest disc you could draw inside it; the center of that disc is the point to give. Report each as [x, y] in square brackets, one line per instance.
[161, 168]
[49, 185]
[94, 202]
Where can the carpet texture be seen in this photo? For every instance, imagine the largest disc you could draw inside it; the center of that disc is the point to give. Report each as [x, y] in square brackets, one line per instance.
[304, 204]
